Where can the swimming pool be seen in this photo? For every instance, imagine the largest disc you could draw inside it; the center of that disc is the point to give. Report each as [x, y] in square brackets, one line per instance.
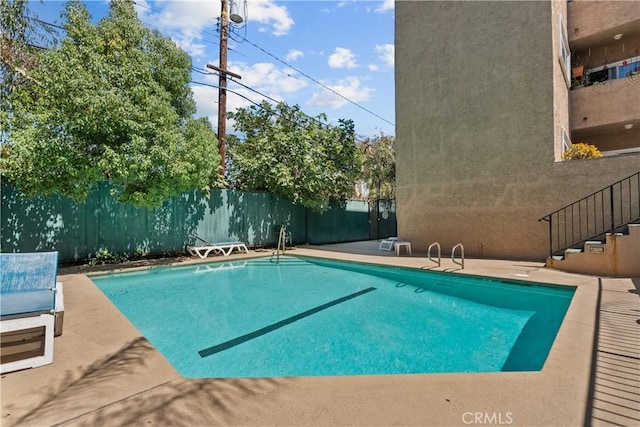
[311, 316]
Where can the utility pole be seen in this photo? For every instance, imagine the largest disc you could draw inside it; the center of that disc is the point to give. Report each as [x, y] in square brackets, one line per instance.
[222, 88]
[236, 18]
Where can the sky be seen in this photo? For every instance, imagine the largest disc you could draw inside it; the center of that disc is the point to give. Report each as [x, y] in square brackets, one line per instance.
[331, 57]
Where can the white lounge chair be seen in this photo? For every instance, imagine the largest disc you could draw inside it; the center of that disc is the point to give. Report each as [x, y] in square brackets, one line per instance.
[28, 309]
[224, 248]
[387, 244]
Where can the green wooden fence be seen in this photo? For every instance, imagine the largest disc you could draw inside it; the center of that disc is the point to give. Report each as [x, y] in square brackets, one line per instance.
[79, 230]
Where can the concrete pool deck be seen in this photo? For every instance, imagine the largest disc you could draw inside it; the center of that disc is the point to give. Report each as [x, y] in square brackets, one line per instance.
[106, 373]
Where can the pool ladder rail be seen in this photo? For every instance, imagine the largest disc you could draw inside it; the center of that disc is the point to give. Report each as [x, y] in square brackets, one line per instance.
[282, 238]
[453, 252]
[439, 260]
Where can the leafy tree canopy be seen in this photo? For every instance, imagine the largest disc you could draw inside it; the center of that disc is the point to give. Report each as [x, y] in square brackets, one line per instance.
[20, 40]
[289, 153]
[379, 166]
[112, 102]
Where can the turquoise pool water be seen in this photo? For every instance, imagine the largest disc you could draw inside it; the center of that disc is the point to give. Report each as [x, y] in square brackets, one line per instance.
[308, 316]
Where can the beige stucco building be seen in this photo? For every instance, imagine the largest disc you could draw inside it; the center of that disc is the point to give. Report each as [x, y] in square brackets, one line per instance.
[484, 109]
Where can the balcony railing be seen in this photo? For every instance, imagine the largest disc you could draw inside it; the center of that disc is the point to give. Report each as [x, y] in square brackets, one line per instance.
[603, 103]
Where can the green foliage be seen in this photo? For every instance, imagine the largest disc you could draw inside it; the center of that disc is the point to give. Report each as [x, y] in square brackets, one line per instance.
[19, 37]
[289, 153]
[379, 167]
[112, 102]
[105, 257]
[580, 151]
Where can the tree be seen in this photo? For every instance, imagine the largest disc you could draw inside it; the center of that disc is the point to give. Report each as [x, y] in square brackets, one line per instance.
[111, 102]
[289, 153]
[379, 167]
[20, 40]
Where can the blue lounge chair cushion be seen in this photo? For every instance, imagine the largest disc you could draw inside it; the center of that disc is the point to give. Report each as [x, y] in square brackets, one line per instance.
[27, 282]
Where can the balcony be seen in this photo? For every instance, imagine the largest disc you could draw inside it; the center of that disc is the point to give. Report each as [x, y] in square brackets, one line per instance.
[601, 32]
[606, 114]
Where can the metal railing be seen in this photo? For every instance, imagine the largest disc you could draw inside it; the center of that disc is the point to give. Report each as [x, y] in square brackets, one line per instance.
[608, 210]
[437, 245]
[282, 237]
[453, 253]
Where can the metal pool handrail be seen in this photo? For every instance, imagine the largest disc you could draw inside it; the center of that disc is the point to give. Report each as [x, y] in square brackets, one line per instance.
[453, 252]
[281, 241]
[439, 253]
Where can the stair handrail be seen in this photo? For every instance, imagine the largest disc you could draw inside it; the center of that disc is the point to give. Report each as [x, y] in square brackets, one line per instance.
[437, 245]
[594, 215]
[453, 252]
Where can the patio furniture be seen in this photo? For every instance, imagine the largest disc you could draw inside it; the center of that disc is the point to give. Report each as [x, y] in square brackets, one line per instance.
[28, 306]
[224, 248]
[387, 244]
[402, 244]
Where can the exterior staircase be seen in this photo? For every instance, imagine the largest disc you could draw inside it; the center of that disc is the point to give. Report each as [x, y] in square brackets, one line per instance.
[617, 256]
[600, 233]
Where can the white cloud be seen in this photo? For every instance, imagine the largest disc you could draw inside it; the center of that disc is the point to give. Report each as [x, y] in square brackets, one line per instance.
[275, 16]
[373, 67]
[342, 58]
[349, 88]
[294, 54]
[185, 20]
[265, 77]
[207, 101]
[386, 53]
[182, 20]
[386, 6]
[141, 7]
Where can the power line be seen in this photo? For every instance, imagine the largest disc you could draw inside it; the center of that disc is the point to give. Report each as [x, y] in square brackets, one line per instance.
[236, 82]
[316, 81]
[261, 106]
[31, 18]
[204, 72]
[315, 119]
[263, 95]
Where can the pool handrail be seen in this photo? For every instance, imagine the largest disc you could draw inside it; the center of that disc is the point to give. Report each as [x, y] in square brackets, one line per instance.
[453, 252]
[281, 243]
[437, 245]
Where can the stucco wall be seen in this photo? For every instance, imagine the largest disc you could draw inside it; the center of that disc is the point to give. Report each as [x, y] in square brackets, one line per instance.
[476, 128]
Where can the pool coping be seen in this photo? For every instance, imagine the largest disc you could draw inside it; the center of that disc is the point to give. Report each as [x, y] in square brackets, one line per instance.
[104, 370]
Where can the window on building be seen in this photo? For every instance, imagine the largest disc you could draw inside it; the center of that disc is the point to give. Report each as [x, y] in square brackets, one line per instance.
[566, 142]
[565, 53]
